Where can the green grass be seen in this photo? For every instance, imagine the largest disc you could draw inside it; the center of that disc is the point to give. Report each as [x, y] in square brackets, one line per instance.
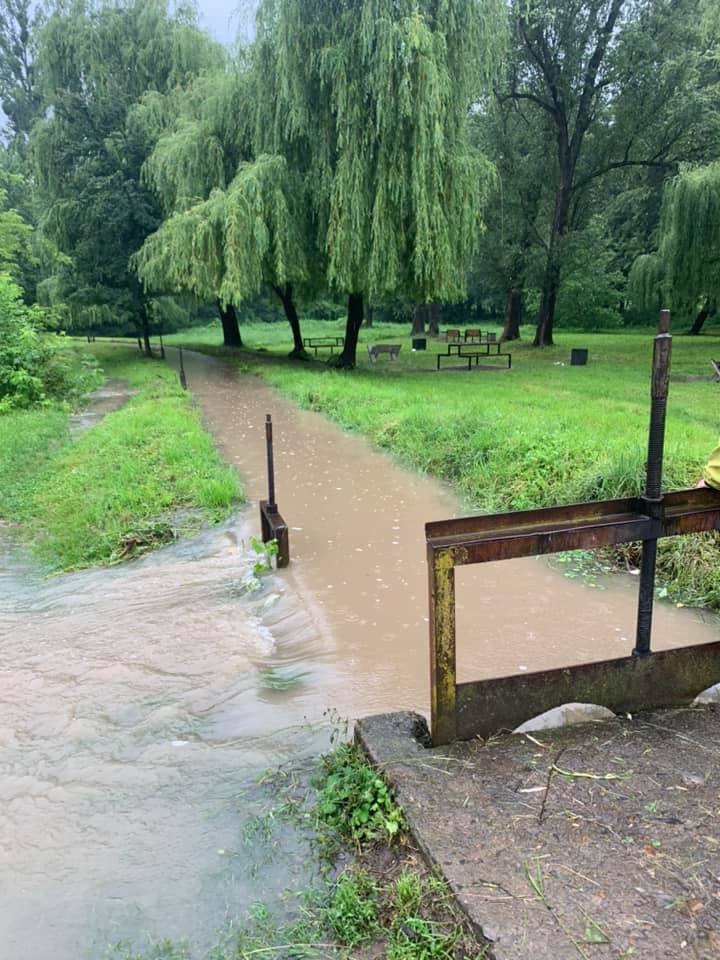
[29, 439]
[144, 474]
[359, 915]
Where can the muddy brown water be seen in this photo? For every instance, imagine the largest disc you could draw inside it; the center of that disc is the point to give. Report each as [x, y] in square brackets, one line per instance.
[138, 704]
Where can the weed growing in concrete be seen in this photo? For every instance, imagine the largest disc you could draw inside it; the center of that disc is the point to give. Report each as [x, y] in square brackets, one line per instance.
[354, 800]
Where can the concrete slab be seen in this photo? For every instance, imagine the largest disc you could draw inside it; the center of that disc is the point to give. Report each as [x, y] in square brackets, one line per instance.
[594, 841]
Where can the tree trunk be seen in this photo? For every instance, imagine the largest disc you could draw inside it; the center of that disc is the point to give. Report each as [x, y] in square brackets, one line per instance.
[434, 326]
[418, 327]
[513, 312]
[347, 359]
[546, 312]
[700, 320]
[230, 326]
[145, 328]
[286, 298]
[551, 278]
[369, 316]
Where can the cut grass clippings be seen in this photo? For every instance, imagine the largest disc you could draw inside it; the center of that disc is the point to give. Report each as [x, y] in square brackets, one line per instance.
[142, 475]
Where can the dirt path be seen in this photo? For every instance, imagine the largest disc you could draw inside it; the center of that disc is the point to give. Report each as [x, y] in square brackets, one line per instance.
[593, 842]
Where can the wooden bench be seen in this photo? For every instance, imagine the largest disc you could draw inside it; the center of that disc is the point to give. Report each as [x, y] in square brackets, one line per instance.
[715, 364]
[452, 335]
[472, 335]
[375, 349]
[323, 343]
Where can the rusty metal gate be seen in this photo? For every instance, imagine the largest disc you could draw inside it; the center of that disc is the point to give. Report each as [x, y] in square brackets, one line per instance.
[639, 681]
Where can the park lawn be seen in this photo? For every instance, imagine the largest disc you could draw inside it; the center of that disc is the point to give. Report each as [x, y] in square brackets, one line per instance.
[543, 433]
[144, 474]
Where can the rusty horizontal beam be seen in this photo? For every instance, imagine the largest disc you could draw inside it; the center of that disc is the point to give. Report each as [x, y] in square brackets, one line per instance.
[627, 685]
[578, 526]
[691, 511]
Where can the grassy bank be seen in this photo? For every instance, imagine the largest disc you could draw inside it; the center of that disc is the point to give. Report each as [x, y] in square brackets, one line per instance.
[144, 474]
[543, 433]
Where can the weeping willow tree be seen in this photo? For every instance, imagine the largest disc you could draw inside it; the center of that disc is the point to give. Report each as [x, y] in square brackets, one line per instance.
[202, 137]
[241, 211]
[646, 283]
[199, 145]
[234, 243]
[371, 98]
[685, 271]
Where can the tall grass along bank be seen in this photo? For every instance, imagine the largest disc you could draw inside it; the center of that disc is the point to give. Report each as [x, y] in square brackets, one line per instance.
[142, 476]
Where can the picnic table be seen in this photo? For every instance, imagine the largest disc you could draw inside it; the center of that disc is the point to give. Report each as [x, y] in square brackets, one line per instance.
[461, 351]
[323, 343]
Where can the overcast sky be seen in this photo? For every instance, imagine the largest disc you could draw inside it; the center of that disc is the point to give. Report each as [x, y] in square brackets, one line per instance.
[223, 18]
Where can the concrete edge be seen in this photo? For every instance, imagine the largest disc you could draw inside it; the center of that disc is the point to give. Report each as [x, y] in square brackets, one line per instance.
[389, 739]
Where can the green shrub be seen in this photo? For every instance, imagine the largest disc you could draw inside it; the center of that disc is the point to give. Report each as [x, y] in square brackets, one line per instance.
[32, 370]
[355, 800]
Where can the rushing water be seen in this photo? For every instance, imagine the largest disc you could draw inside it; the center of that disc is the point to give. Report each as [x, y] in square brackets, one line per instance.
[139, 703]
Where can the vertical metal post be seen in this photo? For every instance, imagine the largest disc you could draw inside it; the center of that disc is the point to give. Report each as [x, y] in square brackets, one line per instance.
[443, 688]
[272, 524]
[272, 506]
[653, 501]
[183, 379]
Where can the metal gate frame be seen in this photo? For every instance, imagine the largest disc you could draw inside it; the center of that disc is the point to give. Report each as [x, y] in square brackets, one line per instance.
[641, 680]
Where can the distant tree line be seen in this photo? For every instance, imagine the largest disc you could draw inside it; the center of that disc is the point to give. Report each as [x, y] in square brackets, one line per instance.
[554, 161]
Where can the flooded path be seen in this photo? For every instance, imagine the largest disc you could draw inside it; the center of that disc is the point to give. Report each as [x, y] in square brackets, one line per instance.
[357, 542]
[138, 704]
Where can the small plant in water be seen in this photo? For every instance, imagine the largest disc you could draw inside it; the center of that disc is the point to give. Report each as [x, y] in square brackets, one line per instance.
[265, 553]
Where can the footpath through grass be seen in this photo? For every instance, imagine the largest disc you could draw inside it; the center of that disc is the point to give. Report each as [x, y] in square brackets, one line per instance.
[144, 474]
[543, 433]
